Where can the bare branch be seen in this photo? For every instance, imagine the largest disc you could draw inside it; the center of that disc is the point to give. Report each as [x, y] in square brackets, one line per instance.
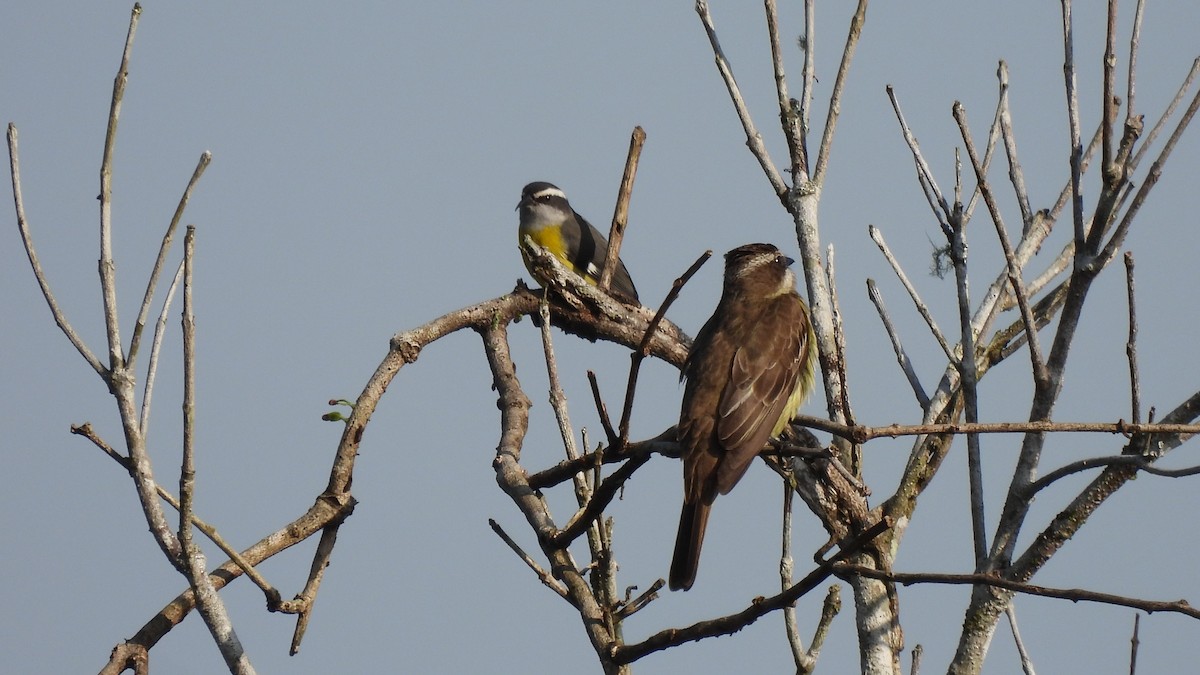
[922, 308]
[163, 248]
[968, 369]
[643, 349]
[839, 334]
[808, 73]
[642, 601]
[1015, 173]
[208, 602]
[545, 577]
[1149, 138]
[754, 139]
[758, 608]
[514, 422]
[1108, 108]
[155, 346]
[789, 116]
[1081, 252]
[1135, 380]
[558, 399]
[1072, 594]
[803, 662]
[835, 99]
[1135, 36]
[1118, 236]
[1014, 270]
[621, 214]
[897, 346]
[1133, 641]
[602, 410]
[60, 318]
[187, 474]
[108, 283]
[862, 434]
[208, 530]
[933, 194]
[601, 497]
[1026, 662]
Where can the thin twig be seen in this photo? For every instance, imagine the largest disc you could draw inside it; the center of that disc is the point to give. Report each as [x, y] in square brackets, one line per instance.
[1108, 108]
[862, 434]
[933, 194]
[1135, 36]
[968, 370]
[1015, 174]
[1072, 594]
[621, 214]
[558, 402]
[108, 282]
[753, 138]
[988, 153]
[545, 577]
[60, 318]
[187, 474]
[1135, 380]
[809, 71]
[1081, 252]
[839, 333]
[601, 497]
[830, 608]
[835, 99]
[795, 642]
[148, 298]
[1149, 138]
[642, 601]
[902, 358]
[643, 349]
[602, 410]
[922, 308]
[1118, 236]
[208, 602]
[758, 608]
[1014, 270]
[1140, 462]
[1133, 641]
[1026, 663]
[789, 116]
[207, 529]
[155, 346]
[663, 444]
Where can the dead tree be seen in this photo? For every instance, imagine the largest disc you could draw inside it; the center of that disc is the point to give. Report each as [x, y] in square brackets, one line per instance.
[863, 537]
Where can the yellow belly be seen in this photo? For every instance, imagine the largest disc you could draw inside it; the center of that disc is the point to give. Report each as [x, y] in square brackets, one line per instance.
[549, 238]
[804, 385]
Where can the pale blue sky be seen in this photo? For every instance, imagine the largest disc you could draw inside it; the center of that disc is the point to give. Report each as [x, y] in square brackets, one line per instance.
[366, 162]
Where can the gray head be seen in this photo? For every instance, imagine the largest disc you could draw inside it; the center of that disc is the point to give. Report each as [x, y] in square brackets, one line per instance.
[543, 204]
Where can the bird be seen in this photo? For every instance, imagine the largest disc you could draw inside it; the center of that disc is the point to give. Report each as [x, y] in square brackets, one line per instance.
[749, 369]
[547, 217]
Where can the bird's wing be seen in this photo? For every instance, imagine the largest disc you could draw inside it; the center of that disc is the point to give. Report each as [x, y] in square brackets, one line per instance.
[764, 373]
[593, 251]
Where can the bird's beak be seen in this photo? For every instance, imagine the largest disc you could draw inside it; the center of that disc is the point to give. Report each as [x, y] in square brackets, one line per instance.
[788, 260]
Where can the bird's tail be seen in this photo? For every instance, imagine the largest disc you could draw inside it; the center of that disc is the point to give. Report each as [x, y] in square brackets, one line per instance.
[692, 522]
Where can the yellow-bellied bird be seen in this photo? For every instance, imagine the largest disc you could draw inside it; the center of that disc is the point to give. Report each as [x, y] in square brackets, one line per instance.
[750, 367]
[547, 217]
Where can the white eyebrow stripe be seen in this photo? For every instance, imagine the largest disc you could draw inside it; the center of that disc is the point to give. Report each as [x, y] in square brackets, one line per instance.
[549, 192]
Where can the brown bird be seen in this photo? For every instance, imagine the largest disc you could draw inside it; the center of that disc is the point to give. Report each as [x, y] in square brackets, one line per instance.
[750, 367]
